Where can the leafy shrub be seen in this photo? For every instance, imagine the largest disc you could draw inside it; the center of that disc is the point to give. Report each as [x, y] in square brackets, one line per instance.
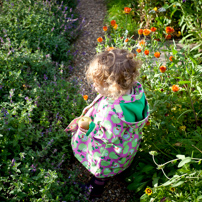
[173, 89]
[37, 103]
[190, 22]
[46, 26]
[116, 12]
[34, 113]
[186, 179]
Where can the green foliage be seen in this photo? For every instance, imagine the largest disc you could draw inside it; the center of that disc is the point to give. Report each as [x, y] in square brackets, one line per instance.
[174, 125]
[45, 26]
[37, 102]
[183, 184]
[190, 22]
[123, 20]
[184, 17]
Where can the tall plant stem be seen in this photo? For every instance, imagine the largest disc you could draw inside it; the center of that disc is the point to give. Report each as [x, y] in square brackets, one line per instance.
[197, 148]
[162, 151]
[188, 90]
[126, 21]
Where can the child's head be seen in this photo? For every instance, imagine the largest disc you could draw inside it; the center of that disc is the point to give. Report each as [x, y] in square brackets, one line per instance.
[113, 72]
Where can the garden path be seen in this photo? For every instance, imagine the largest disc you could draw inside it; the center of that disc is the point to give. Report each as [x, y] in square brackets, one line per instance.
[92, 13]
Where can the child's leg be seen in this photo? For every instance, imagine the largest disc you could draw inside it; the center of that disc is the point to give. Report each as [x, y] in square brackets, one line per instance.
[97, 185]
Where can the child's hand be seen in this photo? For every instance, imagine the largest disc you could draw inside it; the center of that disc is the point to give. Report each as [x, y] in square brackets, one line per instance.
[73, 126]
[84, 123]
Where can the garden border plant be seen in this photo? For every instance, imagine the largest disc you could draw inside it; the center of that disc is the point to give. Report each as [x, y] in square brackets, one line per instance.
[37, 101]
[173, 89]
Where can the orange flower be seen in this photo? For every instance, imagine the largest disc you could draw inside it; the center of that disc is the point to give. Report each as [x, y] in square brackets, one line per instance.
[127, 40]
[127, 10]
[171, 58]
[142, 43]
[146, 52]
[157, 54]
[85, 97]
[140, 31]
[105, 28]
[99, 39]
[115, 26]
[147, 123]
[134, 55]
[146, 32]
[153, 29]
[139, 50]
[168, 36]
[113, 22]
[162, 69]
[169, 30]
[175, 88]
[110, 48]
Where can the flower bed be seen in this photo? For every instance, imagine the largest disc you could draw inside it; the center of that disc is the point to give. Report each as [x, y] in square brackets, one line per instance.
[37, 100]
[173, 88]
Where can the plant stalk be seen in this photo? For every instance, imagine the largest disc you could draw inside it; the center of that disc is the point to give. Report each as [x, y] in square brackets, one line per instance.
[192, 106]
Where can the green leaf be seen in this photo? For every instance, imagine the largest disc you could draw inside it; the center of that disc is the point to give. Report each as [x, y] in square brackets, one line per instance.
[147, 168]
[173, 13]
[174, 51]
[178, 183]
[199, 197]
[181, 20]
[192, 59]
[142, 185]
[198, 46]
[155, 181]
[181, 115]
[183, 39]
[179, 156]
[183, 82]
[136, 186]
[139, 178]
[183, 27]
[132, 186]
[168, 183]
[198, 184]
[184, 161]
[197, 55]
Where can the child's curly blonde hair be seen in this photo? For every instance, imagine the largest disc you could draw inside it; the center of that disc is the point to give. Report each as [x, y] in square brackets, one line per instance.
[114, 70]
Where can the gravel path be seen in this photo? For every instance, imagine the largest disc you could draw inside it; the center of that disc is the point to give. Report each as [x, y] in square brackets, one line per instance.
[92, 13]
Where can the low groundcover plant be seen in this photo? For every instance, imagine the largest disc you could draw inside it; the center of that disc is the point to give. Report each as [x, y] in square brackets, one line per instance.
[37, 101]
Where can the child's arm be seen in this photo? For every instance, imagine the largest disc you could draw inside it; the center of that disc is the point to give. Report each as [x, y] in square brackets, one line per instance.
[73, 126]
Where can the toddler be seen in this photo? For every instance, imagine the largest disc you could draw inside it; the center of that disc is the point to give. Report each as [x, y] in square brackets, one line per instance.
[106, 137]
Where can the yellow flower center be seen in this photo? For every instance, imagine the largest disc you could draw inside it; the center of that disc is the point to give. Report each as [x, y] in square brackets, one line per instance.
[155, 9]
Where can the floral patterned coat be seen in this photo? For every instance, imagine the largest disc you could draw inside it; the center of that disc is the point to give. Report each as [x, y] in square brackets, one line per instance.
[111, 142]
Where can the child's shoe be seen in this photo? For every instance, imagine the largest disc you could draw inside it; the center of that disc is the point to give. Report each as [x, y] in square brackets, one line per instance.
[97, 187]
[94, 188]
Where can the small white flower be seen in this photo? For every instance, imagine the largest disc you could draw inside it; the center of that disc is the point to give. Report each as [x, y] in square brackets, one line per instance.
[152, 11]
[162, 9]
